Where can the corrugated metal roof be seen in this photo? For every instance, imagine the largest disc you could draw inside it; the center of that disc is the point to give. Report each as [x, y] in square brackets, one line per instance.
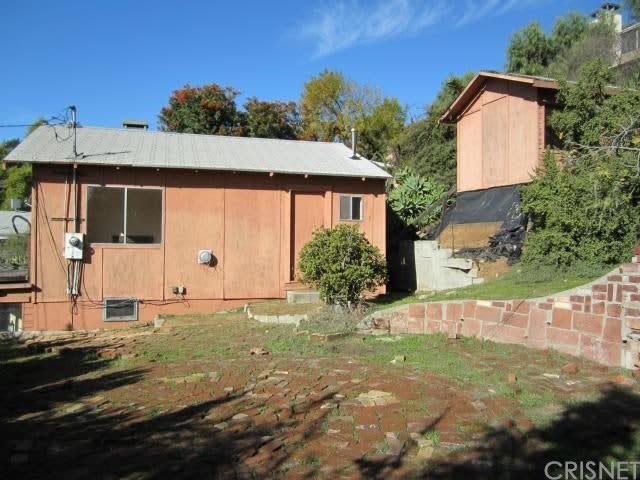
[142, 148]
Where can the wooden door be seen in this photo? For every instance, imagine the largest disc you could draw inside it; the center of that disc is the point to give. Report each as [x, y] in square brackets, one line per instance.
[307, 214]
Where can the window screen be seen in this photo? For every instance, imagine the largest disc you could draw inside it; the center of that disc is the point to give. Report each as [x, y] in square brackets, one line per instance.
[124, 215]
[350, 207]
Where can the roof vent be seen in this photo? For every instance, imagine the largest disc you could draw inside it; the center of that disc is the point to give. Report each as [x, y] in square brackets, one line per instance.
[354, 143]
[140, 124]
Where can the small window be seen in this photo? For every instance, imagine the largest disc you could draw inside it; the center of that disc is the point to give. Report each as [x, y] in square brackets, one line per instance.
[120, 309]
[350, 207]
[124, 215]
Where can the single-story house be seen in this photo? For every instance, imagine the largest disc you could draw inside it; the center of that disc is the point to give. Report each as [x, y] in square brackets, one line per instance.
[131, 223]
[502, 132]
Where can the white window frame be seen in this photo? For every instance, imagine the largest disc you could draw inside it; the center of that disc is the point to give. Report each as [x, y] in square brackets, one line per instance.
[126, 188]
[351, 219]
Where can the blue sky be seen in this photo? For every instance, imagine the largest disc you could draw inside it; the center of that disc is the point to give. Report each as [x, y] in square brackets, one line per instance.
[122, 59]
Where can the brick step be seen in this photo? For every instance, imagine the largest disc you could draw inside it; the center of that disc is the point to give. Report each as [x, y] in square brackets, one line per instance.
[633, 324]
[583, 292]
[629, 268]
[303, 296]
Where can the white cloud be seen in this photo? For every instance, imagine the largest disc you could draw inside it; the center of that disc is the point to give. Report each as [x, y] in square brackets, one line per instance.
[348, 23]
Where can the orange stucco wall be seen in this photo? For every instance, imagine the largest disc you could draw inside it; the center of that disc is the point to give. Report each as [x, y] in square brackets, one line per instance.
[245, 219]
[500, 136]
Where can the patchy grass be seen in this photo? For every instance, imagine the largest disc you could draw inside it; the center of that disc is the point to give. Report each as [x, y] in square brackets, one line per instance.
[434, 437]
[328, 320]
[161, 403]
[524, 282]
[281, 307]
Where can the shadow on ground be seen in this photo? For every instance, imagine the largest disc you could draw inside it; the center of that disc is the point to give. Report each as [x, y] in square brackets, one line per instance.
[89, 438]
[603, 430]
[56, 425]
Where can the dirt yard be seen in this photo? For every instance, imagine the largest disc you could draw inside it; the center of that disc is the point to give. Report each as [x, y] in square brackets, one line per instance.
[189, 400]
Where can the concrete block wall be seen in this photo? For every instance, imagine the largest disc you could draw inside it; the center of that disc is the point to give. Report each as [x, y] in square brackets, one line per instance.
[599, 321]
[437, 269]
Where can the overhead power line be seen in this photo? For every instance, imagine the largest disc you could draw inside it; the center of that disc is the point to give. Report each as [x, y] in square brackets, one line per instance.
[61, 119]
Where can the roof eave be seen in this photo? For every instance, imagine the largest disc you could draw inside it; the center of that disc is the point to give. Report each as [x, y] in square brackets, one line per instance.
[460, 103]
[384, 176]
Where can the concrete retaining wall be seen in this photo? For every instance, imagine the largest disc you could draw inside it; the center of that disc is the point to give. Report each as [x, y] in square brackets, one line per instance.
[599, 321]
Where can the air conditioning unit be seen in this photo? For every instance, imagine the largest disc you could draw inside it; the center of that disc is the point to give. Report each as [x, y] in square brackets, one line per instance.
[73, 246]
[120, 309]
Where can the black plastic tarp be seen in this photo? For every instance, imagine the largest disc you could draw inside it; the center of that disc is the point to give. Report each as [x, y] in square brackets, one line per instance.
[499, 204]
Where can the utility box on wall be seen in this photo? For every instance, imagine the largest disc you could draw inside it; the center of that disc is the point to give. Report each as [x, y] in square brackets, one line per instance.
[73, 246]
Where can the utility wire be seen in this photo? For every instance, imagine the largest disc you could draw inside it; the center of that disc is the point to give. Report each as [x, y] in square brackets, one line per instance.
[61, 118]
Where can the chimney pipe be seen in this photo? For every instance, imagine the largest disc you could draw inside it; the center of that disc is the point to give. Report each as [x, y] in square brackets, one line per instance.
[354, 140]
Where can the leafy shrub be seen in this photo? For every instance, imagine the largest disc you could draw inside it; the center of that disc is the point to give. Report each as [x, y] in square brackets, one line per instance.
[342, 264]
[412, 194]
[582, 213]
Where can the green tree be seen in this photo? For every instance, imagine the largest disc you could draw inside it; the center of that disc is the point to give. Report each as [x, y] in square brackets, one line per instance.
[427, 146]
[530, 51]
[380, 130]
[331, 105]
[210, 109]
[567, 30]
[574, 41]
[585, 209]
[633, 7]
[324, 106]
[17, 184]
[7, 146]
[272, 119]
[342, 264]
[577, 121]
[16, 179]
[596, 42]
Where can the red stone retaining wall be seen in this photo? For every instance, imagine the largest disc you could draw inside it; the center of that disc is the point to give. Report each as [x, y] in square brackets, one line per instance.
[599, 321]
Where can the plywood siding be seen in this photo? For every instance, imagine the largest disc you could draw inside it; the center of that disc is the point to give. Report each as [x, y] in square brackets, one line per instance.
[135, 271]
[193, 206]
[495, 143]
[499, 136]
[245, 219]
[49, 237]
[524, 133]
[469, 155]
[252, 243]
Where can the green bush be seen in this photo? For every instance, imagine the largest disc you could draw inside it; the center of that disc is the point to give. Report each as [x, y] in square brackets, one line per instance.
[342, 264]
[412, 194]
[582, 213]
